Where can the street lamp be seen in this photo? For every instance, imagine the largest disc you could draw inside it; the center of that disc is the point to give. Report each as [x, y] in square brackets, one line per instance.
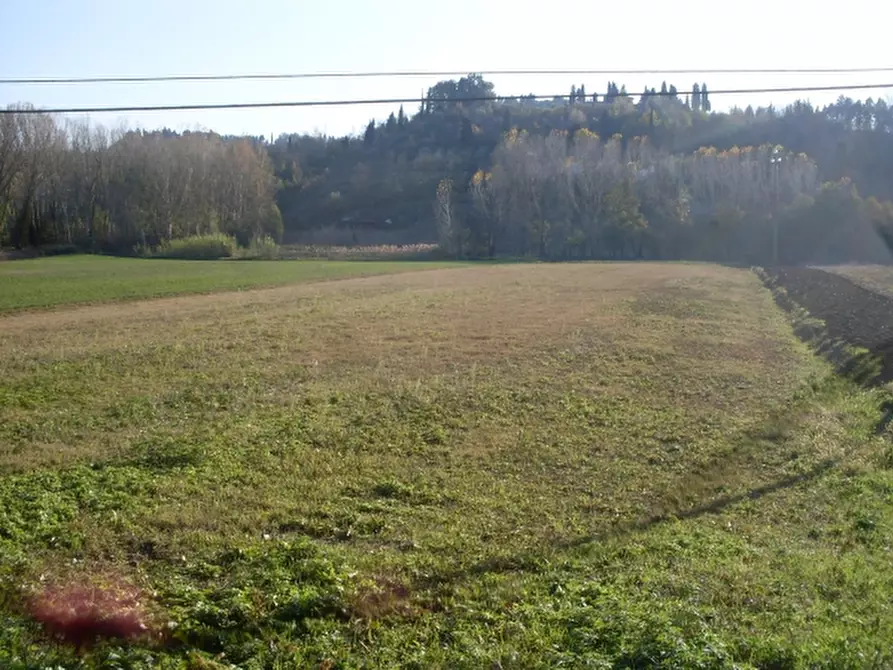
[775, 161]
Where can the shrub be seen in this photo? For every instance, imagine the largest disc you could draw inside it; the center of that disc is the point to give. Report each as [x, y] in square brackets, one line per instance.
[262, 247]
[142, 250]
[198, 247]
[379, 252]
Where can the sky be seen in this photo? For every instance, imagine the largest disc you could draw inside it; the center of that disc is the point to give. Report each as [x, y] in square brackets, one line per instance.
[59, 38]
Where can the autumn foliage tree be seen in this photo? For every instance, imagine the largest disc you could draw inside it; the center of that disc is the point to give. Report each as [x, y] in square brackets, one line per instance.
[71, 183]
[574, 195]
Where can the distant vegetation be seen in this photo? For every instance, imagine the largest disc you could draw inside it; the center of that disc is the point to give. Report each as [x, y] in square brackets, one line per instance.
[587, 175]
[67, 182]
[363, 253]
[196, 247]
[212, 246]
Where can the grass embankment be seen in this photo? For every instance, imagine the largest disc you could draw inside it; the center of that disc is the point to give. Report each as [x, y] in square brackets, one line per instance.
[65, 280]
[508, 466]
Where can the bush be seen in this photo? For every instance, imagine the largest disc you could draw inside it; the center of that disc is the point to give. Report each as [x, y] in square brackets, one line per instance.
[262, 247]
[198, 247]
[381, 252]
[142, 250]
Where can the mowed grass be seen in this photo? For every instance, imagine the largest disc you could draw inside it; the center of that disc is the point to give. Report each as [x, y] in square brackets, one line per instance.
[65, 280]
[587, 465]
[877, 278]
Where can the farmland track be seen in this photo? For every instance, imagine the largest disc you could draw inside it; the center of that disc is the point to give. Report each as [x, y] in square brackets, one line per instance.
[851, 312]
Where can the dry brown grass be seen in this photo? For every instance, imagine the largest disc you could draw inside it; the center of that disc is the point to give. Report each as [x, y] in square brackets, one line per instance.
[514, 324]
[384, 330]
[469, 313]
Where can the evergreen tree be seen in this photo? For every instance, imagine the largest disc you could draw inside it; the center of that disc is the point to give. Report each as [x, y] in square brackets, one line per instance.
[643, 99]
[581, 93]
[663, 88]
[369, 135]
[391, 123]
[696, 98]
[573, 96]
[705, 101]
[673, 92]
[401, 117]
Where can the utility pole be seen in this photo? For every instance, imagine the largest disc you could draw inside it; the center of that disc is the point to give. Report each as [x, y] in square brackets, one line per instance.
[775, 161]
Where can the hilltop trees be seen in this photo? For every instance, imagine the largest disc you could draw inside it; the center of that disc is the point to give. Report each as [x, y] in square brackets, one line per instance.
[369, 135]
[444, 95]
[454, 139]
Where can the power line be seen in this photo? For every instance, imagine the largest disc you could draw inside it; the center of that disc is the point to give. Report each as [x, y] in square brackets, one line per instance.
[394, 101]
[426, 73]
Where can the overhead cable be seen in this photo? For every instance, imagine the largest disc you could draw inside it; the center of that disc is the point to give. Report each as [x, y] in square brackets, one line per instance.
[395, 101]
[137, 79]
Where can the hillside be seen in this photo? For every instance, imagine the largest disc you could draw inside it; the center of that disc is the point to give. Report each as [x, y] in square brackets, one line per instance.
[380, 186]
[658, 175]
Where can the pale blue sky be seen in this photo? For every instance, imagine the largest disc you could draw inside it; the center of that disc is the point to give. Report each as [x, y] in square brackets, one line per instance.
[64, 38]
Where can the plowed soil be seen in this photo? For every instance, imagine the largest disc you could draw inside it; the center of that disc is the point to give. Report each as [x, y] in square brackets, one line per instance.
[851, 312]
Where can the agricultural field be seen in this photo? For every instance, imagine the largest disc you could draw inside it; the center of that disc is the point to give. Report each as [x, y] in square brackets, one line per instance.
[65, 280]
[505, 466]
[876, 278]
[855, 303]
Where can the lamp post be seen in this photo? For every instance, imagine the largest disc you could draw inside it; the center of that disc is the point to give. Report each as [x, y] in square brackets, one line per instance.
[775, 160]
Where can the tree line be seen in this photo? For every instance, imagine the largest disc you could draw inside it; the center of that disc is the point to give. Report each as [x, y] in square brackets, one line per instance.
[575, 196]
[62, 181]
[380, 185]
[66, 182]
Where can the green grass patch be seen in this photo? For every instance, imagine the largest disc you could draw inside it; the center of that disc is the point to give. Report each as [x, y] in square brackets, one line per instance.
[587, 465]
[49, 282]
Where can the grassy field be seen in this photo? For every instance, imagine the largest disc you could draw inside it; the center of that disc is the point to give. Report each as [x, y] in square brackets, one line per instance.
[877, 278]
[48, 282]
[585, 465]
